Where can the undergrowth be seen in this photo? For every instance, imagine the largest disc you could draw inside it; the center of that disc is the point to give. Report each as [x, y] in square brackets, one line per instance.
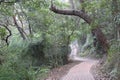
[30, 60]
[112, 65]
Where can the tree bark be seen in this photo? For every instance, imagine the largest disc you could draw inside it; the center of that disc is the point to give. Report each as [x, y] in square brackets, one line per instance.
[73, 12]
[100, 41]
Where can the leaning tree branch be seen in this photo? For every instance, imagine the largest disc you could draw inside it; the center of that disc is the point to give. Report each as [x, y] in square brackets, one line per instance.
[101, 39]
[73, 12]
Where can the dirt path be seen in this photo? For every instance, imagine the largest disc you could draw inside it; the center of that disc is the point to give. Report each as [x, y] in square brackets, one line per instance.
[80, 71]
[59, 72]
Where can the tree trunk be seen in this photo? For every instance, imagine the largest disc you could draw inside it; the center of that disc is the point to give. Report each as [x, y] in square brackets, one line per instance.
[72, 4]
[100, 41]
[19, 28]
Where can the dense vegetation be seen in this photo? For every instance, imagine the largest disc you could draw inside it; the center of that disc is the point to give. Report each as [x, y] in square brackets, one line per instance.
[34, 39]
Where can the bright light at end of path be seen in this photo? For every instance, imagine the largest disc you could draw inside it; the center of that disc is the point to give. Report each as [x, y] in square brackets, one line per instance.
[66, 1]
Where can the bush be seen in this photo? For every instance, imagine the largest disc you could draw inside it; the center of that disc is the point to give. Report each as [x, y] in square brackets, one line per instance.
[24, 60]
[44, 53]
[15, 67]
[15, 73]
[57, 55]
[112, 65]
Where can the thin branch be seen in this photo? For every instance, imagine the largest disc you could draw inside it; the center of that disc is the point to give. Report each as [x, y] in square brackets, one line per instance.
[29, 26]
[10, 33]
[7, 37]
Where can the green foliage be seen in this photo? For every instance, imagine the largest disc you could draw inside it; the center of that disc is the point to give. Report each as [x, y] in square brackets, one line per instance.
[9, 73]
[12, 69]
[2, 32]
[91, 5]
[6, 9]
[52, 33]
[15, 67]
[44, 53]
[16, 71]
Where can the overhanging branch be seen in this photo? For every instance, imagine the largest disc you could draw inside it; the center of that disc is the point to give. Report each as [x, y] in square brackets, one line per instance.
[78, 13]
[101, 39]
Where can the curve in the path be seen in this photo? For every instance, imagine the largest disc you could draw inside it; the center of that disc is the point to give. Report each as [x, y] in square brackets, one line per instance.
[80, 71]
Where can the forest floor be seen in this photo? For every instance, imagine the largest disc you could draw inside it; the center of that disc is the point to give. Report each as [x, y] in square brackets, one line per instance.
[99, 73]
[77, 70]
